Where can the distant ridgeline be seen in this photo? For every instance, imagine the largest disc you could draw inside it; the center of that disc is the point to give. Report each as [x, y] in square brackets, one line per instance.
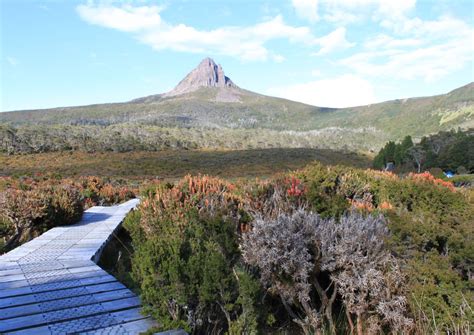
[448, 150]
[207, 110]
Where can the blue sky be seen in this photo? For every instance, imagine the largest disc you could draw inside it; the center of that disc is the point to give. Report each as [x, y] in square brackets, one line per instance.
[325, 52]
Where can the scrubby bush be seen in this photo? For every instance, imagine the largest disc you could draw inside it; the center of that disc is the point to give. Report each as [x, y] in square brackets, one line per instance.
[22, 209]
[365, 273]
[302, 257]
[31, 205]
[103, 192]
[269, 198]
[285, 250]
[309, 262]
[32, 211]
[186, 258]
[67, 205]
[430, 226]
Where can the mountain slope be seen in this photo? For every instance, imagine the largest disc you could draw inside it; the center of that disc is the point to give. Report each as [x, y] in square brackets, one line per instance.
[416, 116]
[207, 99]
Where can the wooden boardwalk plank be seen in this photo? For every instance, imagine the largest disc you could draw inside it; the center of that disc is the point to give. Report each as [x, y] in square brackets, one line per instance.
[106, 286]
[59, 304]
[67, 314]
[51, 284]
[35, 283]
[79, 280]
[93, 324]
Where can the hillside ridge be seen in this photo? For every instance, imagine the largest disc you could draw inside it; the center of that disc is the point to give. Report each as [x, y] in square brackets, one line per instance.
[207, 110]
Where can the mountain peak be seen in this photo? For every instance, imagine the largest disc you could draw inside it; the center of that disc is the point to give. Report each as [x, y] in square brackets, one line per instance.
[206, 74]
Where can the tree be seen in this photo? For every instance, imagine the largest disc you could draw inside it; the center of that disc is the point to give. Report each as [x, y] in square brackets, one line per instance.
[379, 160]
[418, 154]
[407, 143]
[390, 150]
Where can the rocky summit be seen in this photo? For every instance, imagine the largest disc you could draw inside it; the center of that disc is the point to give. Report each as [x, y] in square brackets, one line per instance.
[206, 74]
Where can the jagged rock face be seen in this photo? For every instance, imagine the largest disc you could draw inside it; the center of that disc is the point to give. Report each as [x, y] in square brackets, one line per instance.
[206, 74]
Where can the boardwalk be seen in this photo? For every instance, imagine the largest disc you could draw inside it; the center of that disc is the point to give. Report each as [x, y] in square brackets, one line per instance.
[51, 285]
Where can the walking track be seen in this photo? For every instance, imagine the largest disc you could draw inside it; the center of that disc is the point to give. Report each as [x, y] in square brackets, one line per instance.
[52, 285]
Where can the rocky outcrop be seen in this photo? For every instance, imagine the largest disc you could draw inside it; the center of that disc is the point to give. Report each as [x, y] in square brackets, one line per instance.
[206, 74]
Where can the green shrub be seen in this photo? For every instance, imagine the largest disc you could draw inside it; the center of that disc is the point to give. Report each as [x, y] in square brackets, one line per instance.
[186, 259]
[431, 230]
[191, 274]
[66, 205]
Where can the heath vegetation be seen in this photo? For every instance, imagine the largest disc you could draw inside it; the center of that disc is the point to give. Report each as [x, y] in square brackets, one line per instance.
[31, 205]
[322, 249]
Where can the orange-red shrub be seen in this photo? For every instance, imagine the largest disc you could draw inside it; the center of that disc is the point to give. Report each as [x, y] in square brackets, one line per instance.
[426, 177]
[30, 205]
[176, 203]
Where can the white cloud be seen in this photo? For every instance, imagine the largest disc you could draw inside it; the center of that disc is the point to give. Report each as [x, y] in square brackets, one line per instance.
[307, 9]
[386, 41]
[335, 40]
[341, 17]
[247, 43]
[279, 58]
[395, 7]
[428, 50]
[343, 12]
[12, 61]
[126, 18]
[342, 91]
[407, 47]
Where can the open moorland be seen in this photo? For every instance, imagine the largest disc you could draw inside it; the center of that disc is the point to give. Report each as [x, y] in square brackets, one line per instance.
[174, 164]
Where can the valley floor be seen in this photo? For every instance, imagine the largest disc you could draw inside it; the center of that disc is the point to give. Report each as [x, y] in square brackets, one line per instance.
[174, 164]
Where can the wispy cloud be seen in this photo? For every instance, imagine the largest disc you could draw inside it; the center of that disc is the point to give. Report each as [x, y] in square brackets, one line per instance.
[44, 7]
[247, 42]
[307, 9]
[343, 12]
[415, 49]
[316, 73]
[126, 18]
[12, 61]
[335, 40]
[405, 47]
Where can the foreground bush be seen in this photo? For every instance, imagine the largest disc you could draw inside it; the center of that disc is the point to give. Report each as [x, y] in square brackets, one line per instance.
[30, 206]
[32, 211]
[187, 259]
[103, 192]
[191, 272]
[305, 259]
[309, 262]
[430, 230]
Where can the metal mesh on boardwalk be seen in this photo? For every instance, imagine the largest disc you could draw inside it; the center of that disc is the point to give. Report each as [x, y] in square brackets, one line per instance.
[51, 285]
